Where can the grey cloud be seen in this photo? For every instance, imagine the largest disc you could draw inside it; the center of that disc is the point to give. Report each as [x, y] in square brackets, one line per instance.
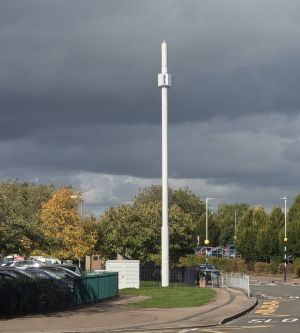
[78, 92]
[224, 62]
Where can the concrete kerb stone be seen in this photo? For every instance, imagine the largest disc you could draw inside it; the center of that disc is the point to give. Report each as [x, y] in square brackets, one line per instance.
[240, 314]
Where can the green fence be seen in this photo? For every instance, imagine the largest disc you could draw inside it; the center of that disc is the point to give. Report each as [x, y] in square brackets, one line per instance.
[95, 287]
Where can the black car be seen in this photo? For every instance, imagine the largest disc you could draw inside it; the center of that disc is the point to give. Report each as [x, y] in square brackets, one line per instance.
[59, 273]
[11, 271]
[206, 270]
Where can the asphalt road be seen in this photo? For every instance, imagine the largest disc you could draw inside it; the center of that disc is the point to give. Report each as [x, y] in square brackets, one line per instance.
[278, 311]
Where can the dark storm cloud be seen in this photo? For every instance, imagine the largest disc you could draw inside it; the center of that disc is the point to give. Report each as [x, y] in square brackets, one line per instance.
[78, 90]
[97, 61]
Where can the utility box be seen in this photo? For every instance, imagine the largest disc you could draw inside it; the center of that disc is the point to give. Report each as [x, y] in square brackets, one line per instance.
[129, 272]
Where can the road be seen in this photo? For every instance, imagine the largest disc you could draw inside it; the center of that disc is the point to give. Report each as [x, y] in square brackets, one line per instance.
[278, 311]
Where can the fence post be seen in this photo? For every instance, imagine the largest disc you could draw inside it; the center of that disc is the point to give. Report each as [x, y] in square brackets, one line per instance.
[248, 285]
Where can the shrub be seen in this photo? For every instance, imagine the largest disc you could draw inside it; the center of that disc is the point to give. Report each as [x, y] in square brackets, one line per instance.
[296, 265]
[223, 264]
[275, 265]
[28, 295]
[262, 268]
[290, 268]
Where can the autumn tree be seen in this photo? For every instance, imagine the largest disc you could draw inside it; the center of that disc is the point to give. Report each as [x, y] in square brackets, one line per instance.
[63, 226]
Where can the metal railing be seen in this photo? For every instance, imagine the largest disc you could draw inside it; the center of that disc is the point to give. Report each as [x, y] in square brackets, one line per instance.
[236, 281]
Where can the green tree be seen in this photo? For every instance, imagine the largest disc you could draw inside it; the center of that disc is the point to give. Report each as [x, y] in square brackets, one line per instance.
[20, 206]
[293, 242]
[273, 233]
[294, 210]
[250, 225]
[225, 220]
[293, 228]
[213, 230]
[134, 231]
[189, 203]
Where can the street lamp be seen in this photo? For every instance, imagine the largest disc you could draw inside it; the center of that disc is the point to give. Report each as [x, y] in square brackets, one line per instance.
[284, 239]
[206, 242]
[79, 196]
[235, 224]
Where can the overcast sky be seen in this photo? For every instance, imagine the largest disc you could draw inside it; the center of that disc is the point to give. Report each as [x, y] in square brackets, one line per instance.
[80, 105]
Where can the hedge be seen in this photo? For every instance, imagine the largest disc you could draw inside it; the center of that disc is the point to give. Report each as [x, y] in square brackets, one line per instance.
[27, 295]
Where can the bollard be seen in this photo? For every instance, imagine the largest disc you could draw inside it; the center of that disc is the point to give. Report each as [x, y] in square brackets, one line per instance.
[202, 282]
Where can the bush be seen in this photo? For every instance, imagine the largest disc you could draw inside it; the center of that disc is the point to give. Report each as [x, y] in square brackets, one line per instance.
[296, 265]
[27, 295]
[261, 267]
[223, 264]
[275, 265]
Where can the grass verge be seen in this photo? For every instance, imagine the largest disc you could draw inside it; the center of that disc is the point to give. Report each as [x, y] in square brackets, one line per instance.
[170, 297]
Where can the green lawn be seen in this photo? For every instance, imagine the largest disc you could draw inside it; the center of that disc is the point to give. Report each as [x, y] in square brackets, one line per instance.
[171, 297]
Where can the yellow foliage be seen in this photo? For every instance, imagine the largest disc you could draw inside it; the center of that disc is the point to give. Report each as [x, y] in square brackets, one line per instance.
[64, 226]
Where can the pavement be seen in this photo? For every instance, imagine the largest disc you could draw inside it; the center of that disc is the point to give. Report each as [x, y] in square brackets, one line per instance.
[114, 316]
[274, 278]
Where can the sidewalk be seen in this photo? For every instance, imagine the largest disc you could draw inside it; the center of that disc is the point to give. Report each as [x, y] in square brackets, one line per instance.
[115, 316]
[275, 278]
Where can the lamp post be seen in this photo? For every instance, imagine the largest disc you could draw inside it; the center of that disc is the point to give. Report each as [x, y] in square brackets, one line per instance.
[206, 242]
[284, 239]
[235, 224]
[79, 196]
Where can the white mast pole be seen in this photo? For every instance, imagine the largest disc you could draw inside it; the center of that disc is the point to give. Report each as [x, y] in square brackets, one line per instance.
[164, 82]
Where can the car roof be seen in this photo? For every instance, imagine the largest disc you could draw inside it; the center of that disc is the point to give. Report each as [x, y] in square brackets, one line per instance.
[59, 268]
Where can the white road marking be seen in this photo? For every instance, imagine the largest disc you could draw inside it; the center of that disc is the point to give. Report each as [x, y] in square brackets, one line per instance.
[188, 330]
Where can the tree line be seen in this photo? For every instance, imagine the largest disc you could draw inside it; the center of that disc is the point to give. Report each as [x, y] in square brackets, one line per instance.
[44, 220]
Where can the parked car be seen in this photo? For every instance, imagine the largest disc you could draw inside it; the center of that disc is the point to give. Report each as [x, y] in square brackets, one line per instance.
[12, 273]
[60, 270]
[59, 273]
[71, 267]
[207, 270]
[64, 281]
[23, 291]
[46, 260]
[22, 264]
